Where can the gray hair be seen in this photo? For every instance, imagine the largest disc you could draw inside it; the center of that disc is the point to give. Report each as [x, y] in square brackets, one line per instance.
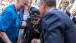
[49, 2]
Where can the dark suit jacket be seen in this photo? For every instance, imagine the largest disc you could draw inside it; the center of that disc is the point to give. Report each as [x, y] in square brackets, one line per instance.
[74, 20]
[68, 13]
[58, 28]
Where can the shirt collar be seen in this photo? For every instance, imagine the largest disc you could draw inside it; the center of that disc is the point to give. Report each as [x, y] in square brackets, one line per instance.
[51, 9]
[72, 17]
[63, 11]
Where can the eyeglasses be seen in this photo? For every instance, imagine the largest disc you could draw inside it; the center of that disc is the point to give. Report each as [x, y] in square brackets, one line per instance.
[34, 19]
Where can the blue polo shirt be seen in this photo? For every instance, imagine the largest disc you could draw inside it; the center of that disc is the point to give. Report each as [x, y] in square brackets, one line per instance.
[10, 23]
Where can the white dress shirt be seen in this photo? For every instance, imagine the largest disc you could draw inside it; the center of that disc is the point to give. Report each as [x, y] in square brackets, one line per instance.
[25, 16]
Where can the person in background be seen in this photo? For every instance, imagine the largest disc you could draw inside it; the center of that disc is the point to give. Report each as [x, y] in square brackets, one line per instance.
[7, 2]
[64, 5]
[73, 16]
[10, 22]
[1, 2]
[57, 26]
[1, 9]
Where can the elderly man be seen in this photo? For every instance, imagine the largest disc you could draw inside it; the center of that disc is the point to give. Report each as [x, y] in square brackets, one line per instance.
[33, 27]
[10, 22]
[57, 26]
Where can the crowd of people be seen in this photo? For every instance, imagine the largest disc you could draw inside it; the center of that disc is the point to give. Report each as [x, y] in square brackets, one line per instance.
[20, 22]
[3, 4]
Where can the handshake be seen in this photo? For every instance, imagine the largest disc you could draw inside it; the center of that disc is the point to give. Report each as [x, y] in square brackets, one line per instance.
[35, 40]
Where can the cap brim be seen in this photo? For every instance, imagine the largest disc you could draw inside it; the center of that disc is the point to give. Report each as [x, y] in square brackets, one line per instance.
[35, 17]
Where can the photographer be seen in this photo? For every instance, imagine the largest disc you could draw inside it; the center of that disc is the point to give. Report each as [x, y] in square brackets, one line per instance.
[33, 27]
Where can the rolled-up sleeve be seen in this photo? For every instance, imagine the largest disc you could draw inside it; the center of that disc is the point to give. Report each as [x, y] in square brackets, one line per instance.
[6, 20]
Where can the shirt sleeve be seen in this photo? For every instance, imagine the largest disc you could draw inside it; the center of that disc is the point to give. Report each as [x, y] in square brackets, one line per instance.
[6, 20]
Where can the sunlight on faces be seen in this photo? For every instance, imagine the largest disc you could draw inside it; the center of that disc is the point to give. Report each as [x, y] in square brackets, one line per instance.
[22, 4]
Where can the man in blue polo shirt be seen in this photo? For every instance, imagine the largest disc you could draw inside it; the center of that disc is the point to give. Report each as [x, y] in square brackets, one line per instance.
[10, 22]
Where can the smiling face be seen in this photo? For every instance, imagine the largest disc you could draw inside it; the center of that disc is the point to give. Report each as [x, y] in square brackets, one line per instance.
[22, 4]
[74, 12]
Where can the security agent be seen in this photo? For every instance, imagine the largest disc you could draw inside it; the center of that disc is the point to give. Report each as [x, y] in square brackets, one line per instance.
[33, 27]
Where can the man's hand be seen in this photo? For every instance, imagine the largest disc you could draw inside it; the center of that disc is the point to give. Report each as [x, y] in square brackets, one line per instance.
[23, 24]
[4, 37]
[35, 40]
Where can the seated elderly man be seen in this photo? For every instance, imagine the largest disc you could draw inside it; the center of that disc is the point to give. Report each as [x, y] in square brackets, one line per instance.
[33, 27]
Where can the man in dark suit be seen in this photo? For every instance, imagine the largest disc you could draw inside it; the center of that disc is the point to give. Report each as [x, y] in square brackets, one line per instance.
[64, 5]
[73, 16]
[57, 26]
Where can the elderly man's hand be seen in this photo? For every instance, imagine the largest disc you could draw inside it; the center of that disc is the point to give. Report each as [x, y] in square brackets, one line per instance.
[35, 40]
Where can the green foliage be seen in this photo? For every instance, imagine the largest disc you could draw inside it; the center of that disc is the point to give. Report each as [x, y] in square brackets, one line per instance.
[68, 8]
[59, 6]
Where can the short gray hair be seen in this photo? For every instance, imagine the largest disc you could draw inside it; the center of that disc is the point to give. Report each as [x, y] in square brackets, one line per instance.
[49, 2]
